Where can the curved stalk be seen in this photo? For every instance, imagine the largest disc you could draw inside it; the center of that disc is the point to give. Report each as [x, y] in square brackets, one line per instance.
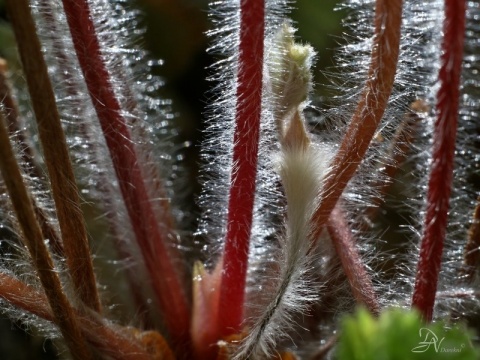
[344, 244]
[369, 111]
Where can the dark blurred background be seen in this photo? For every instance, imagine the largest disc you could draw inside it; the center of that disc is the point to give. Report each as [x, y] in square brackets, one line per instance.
[176, 33]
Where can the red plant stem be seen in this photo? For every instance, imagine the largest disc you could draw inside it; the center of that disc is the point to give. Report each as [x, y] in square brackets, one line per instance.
[369, 111]
[352, 264]
[151, 234]
[244, 168]
[441, 175]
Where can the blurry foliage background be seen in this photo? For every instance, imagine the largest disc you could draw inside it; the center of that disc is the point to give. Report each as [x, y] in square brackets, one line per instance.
[176, 33]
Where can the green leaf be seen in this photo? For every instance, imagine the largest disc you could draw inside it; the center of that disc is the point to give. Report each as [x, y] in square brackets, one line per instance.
[399, 335]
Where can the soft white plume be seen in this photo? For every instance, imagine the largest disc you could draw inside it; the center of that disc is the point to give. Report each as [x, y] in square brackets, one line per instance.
[301, 167]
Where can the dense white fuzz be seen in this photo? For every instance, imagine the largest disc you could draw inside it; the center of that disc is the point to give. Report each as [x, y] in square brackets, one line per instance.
[216, 152]
[301, 167]
[218, 146]
[301, 171]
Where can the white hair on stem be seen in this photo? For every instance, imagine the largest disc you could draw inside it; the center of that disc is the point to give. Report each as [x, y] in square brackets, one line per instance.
[301, 167]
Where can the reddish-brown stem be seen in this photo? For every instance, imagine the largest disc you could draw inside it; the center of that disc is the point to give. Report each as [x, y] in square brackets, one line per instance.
[52, 138]
[352, 264]
[29, 165]
[244, 166]
[151, 232]
[369, 111]
[73, 92]
[24, 297]
[325, 349]
[115, 342]
[441, 173]
[398, 151]
[32, 234]
[472, 248]
[13, 122]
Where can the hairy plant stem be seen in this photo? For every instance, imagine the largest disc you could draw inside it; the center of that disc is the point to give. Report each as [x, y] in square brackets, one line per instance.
[397, 153]
[344, 244]
[472, 248]
[29, 165]
[13, 122]
[72, 88]
[32, 234]
[369, 111]
[244, 166]
[116, 343]
[441, 173]
[64, 189]
[24, 297]
[152, 233]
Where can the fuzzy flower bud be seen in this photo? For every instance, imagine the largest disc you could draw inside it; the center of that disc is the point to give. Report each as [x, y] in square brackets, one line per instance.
[290, 73]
